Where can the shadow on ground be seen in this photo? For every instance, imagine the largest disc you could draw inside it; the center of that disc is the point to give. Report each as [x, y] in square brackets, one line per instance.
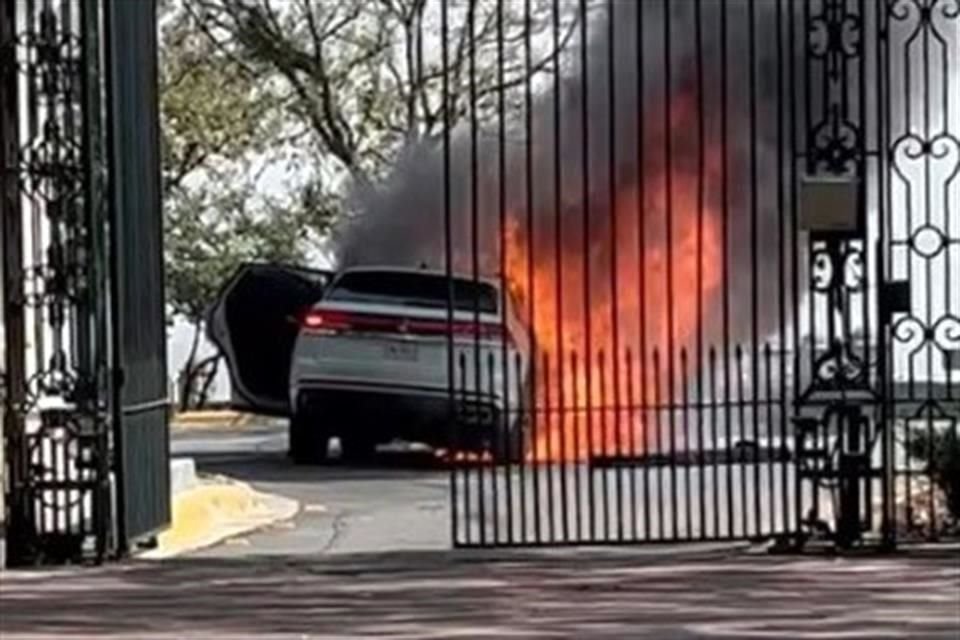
[613, 594]
[277, 467]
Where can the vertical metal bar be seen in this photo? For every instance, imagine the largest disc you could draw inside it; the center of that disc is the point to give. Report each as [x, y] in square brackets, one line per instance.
[686, 460]
[754, 247]
[467, 501]
[505, 423]
[578, 464]
[117, 319]
[531, 249]
[671, 306]
[93, 219]
[588, 329]
[949, 106]
[475, 240]
[701, 200]
[773, 451]
[506, 449]
[548, 425]
[14, 323]
[77, 323]
[931, 347]
[526, 413]
[658, 408]
[888, 465]
[862, 213]
[794, 171]
[558, 271]
[605, 469]
[781, 261]
[725, 261]
[614, 262]
[809, 151]
[632, 423]
[715, 462]
[35, 106]
[641, 262]
[742, 451]
[504, 283]
[647, 456]
[448, 268]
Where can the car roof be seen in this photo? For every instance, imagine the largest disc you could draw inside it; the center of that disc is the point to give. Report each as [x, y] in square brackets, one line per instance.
[419, 271]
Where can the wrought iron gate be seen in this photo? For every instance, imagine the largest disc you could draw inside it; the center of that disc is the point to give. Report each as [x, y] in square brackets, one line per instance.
[72, 329]
[731, 228]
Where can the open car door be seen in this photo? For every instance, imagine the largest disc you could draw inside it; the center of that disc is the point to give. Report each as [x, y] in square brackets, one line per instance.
[254, 322]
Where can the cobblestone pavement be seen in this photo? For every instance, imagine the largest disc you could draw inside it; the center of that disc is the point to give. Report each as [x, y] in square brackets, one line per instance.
[620, 593]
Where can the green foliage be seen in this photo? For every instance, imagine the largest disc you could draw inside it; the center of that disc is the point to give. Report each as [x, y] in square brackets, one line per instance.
[219, 126]
[208, 238]
[940, 451]
[328, 92]
[362, 79]
[212, 112]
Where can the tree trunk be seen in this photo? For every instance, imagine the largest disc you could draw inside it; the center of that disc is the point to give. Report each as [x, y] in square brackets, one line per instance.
[208, 369]
[188, 372]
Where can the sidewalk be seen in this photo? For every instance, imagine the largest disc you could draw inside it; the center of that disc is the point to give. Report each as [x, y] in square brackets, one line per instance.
[645, 593]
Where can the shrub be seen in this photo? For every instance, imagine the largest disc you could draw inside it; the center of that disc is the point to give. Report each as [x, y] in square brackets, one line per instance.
[940, 451]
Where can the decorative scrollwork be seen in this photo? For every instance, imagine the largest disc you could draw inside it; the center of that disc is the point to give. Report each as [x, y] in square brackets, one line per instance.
[59, 454]
[911, 332]
[945, 333]
[854, 268]
[950, 9]
[835, 32]
[910, 154]
[835, 40]
[928, 241]
[924, 11]
[915, 334]
[837, 265]
[60, 97]
[822, 269]
[839, 367]
[837, 144]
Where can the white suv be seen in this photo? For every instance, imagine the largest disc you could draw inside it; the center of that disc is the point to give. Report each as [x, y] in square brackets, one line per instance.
[368, 361]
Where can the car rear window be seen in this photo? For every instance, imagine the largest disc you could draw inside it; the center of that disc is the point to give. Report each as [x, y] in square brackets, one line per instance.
[414, 290]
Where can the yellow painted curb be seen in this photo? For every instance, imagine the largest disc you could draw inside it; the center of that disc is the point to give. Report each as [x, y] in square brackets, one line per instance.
[209, 419]
[214, 511]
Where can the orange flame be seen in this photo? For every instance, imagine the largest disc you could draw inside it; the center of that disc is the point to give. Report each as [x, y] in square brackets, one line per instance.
[648, 300]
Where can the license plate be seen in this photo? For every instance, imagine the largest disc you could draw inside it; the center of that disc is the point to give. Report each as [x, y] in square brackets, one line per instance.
[400, 351]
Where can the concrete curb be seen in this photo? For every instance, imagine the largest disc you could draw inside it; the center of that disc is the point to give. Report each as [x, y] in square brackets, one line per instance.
[183, 475]
[209, 419]
[214, 510]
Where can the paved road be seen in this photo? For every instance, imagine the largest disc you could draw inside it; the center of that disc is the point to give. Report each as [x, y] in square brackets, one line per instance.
[299, 581]
[627, 593]
[401, 504]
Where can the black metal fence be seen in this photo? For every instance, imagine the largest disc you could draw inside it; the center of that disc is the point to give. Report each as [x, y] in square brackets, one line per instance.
[731, 228]
[84, 334]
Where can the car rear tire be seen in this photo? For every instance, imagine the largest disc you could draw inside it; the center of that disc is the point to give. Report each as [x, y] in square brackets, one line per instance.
[511, 447]
[357, 448]
[308, 440]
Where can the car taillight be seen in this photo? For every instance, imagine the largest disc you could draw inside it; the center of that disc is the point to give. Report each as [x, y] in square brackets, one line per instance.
[326, 321]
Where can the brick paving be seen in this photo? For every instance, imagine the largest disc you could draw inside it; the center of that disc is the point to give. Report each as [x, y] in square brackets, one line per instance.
[560, 593]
